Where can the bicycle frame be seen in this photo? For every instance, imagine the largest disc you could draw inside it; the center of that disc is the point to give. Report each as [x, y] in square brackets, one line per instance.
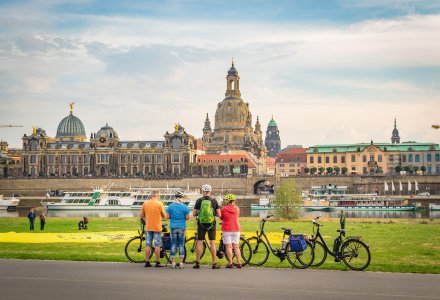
[263, 234]
[321, 238]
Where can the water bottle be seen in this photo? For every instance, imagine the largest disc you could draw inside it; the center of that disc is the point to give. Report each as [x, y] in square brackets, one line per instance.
[283, 246]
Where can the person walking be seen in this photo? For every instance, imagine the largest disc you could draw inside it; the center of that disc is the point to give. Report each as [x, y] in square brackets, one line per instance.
[31, 216]
[42, 221]
[153, 212]
[206, 209]
[178, 213]
[231, 230]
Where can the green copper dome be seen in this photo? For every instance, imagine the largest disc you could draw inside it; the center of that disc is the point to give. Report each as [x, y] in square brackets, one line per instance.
[272, 123]
[71, 126]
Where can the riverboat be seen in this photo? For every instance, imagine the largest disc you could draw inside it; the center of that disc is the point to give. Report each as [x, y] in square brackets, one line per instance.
[366, 202]
[9, 203]
[433, 206]
[104, 199]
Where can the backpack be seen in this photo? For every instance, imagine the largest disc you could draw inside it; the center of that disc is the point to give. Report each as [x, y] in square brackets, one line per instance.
[206, 212]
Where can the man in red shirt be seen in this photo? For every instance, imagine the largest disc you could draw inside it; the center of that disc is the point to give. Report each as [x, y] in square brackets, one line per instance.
[231, 229]
[153, 212]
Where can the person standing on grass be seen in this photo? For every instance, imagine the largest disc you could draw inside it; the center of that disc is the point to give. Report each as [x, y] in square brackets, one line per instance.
[206, 209]
[153, 212]
[178, 213]
[231, 230]
[31, 216]
[42, 221]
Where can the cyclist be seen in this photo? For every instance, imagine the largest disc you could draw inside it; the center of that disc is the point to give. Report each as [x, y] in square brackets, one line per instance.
[206, 209]
[178, 213]
[153, 211]
[231, 229]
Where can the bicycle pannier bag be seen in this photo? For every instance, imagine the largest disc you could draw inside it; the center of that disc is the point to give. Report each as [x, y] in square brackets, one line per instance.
[297, 243]
[166, 240]
[206, 213]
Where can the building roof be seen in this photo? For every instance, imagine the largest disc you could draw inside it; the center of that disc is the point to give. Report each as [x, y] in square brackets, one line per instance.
[287, 153]
[401, 147]
[71, 126]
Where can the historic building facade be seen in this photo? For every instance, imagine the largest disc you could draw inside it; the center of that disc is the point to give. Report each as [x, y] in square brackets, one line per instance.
[272, 140]
[291, 161]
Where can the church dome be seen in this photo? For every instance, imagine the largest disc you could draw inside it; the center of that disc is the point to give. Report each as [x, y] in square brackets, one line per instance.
[107, 132]
[71, 127]
[232, 71]
[232, 113]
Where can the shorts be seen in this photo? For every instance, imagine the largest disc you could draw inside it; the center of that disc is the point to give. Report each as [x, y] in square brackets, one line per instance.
[203, 228]
[153, 235]
[231, 238]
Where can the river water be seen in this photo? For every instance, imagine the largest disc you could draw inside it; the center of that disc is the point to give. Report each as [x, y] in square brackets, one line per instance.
[246, 212]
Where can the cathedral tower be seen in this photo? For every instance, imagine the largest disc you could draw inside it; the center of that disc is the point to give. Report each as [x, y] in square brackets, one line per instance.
[273, 140]
[395, 138]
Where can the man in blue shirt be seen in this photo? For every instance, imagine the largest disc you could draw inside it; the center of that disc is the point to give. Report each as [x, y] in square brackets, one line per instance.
[178, 213]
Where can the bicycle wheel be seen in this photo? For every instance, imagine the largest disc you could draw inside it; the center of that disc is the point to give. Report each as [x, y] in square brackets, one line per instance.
[355, 254]
[260, 251]
[190, 250]
[320, 254]
[245, 251]
[303, 259]
[135, 250]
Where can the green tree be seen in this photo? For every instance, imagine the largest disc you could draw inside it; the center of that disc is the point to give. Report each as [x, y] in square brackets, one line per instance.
[337, 170]
[398, 169]
[415, 169]
[288, 201]
[423, 169]
[407, 169]
[306, 170]
[344, 170]
[313, 170]
[329, 170]
[321, 170]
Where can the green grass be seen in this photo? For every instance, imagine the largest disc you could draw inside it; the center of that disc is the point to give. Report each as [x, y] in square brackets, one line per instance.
[407, 246]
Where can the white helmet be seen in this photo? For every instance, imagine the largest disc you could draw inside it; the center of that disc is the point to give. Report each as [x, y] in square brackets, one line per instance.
[206, 188]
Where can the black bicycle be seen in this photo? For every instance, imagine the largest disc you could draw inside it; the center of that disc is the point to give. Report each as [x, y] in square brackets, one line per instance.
[299, 258]
[351, 249]
[135, 247]
[191, 248]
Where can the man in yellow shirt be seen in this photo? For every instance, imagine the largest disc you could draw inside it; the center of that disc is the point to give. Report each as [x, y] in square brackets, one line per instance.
[153, 212]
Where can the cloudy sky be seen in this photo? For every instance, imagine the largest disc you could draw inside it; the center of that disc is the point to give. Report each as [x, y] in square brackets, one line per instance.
[328, 71]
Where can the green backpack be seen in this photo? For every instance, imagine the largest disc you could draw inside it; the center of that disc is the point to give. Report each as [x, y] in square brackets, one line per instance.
[206, 212]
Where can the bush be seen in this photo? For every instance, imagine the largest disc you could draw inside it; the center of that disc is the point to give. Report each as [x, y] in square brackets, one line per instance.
[288, 200]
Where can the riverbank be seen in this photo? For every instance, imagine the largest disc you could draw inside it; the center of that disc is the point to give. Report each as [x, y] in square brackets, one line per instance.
[410, 246]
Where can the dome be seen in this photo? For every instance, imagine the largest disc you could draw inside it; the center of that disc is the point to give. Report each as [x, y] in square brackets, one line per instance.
[272, 123]
[107, 132]
[71, 126]
[232, 113]
[232, 71]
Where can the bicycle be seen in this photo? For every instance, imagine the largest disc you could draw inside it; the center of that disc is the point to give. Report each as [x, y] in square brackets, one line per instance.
[351, 250]
[297, 258]
[135, 247]
[191, 247]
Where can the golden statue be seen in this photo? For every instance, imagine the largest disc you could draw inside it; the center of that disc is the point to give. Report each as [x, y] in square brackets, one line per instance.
[176, 127]
[71, 105]
[34, 130]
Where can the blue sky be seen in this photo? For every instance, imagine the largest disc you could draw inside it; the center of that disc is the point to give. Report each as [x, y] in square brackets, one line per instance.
[329, 71]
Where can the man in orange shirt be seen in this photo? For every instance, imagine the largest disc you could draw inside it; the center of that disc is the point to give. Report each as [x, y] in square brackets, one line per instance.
[153, 212]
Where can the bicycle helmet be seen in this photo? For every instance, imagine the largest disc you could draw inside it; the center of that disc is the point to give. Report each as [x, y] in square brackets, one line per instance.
[179, 194]
[230, 198]
[206, 188]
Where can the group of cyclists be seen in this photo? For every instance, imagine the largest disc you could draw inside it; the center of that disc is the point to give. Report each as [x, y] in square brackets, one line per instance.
[206, 209]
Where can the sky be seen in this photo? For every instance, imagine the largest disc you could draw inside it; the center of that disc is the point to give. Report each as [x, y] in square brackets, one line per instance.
[329, 72]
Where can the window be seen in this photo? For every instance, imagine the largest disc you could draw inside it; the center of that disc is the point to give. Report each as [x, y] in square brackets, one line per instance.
[403, 158]
[147, 158]
[51, 160]
[327, 160]
[74, 159]
[86, 159]
[364, 158]
[135, 158]
[312, 159]
[63, 159]
[353, 158]
[176, 170]
[33, 159]
[176, 158]
[343, 159]
[372, 157]
[379, 158]
[410, 158]
[319, 159]
[437, 157]
[428, 158]
[123, 158]
[335, 159]
[417, 158]
[159, 159]
[391, 158]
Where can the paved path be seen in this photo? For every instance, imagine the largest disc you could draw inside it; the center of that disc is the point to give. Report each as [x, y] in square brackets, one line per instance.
[32, 279]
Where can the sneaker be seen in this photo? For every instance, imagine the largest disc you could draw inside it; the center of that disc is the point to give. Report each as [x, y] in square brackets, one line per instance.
[196, 266]
[239, 266]
[215, 266]
[181, 265]
[173, 265]
[147, 264]
[230, 266]
[158, 265]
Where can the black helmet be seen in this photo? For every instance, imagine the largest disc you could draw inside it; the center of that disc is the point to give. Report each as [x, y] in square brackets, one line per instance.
[179, 194]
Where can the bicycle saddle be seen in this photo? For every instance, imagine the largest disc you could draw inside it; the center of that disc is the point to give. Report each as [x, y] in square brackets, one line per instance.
[287, 231]
[341, 230]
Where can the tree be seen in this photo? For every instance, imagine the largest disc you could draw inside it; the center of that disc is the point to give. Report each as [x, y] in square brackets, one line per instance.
[407, 169]
[321, 170]
[398, 169]
[329, 170]
[288, 201]
[313, 170]
[306, 170]
[423, 169]
[344, 170]
[337, 170]
[415, 169]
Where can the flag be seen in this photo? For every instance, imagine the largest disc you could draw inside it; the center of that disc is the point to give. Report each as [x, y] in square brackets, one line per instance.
[409, 186]
[385, 186]
[416, 188]
[392, 186]
[401, 187]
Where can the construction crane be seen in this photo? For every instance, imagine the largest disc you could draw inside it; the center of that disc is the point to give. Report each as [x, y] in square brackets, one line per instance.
[436, 126]
[2, 126]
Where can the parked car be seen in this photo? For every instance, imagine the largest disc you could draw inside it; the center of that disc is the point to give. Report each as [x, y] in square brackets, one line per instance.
[424, 194]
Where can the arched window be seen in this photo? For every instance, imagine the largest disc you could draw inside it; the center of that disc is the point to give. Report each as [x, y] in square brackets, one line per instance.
[417, 158]
[226, 138]
[428, 158]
